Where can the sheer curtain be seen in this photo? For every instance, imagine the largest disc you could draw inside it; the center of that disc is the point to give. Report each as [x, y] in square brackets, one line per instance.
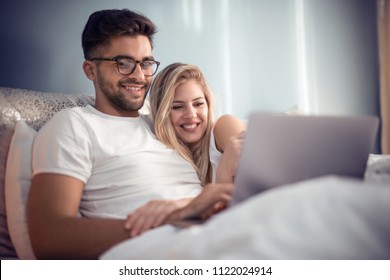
[384, 56]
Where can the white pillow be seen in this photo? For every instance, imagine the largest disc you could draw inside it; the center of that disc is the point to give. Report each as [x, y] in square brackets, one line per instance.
[17, 186]
[378, 169]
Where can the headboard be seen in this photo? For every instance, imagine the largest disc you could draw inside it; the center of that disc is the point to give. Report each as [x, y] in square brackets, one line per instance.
[35, 108]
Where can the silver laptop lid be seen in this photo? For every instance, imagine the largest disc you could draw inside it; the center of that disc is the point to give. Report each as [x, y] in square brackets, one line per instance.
[281, 149]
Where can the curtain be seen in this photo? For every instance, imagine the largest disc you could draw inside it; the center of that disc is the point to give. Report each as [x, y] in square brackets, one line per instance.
[384, 58]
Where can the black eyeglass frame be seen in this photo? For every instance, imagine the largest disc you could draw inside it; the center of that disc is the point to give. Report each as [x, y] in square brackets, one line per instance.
[117, 60]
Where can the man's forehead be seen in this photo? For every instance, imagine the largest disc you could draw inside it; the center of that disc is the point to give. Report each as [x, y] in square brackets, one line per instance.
[137, 47]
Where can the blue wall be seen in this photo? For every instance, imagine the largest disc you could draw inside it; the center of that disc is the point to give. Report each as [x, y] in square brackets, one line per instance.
[317, 55]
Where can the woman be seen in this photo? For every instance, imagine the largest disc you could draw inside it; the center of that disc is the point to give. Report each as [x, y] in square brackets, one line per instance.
[182, 108]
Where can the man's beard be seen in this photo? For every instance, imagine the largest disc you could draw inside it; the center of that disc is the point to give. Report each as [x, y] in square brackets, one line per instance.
[118, 98]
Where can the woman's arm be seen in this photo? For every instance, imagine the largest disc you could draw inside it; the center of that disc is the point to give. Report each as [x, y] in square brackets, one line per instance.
[226, 127]
[229, 133]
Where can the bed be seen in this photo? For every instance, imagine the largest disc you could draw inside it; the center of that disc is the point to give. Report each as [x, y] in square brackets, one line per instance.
[324, 218]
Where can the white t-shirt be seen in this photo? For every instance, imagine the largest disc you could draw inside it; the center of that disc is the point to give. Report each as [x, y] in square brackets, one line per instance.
[215, 155]
[119, 159]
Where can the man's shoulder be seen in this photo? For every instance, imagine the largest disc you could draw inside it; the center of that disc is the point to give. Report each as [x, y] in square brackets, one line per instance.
[69, 113]
[65, 117]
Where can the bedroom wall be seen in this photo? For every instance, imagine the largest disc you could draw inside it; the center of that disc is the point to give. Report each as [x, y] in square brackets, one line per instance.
[317, 55]
[341, 56]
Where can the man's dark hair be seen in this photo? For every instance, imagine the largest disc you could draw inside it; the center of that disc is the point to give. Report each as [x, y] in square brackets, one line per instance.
[102, 25]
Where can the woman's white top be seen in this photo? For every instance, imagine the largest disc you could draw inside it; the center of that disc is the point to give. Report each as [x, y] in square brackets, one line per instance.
[215, 155]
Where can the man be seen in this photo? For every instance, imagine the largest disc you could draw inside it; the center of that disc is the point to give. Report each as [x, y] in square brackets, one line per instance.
[104, 161]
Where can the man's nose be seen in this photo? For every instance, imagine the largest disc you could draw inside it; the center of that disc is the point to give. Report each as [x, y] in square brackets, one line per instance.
[138, 74]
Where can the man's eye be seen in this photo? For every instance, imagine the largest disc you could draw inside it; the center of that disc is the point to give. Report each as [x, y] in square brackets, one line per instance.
[125, 63]
[147, 63]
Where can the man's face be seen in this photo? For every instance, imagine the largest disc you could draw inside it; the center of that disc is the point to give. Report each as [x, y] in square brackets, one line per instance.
[118, 94]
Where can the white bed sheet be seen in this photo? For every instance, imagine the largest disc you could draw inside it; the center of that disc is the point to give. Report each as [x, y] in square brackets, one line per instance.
[324, 218]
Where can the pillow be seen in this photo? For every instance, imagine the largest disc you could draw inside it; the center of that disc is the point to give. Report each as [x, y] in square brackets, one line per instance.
[17, 185]
[378, 169]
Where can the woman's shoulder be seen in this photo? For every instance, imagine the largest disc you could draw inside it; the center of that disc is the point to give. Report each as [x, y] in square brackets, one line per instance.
[227, 119]
[229, 123]
[226, 126]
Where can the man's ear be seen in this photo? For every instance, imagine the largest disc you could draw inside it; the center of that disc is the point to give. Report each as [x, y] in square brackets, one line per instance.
[89, 69]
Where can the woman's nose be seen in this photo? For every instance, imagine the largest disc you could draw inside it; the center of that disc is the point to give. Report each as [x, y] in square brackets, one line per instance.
[190, 112]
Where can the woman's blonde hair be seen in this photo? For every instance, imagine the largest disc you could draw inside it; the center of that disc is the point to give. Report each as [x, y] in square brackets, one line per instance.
[162, 94]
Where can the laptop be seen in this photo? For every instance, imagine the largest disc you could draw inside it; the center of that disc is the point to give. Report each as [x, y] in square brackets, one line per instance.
[284, 149]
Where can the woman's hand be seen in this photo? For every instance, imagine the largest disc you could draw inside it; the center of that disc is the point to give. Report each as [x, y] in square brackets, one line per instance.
[151, 215]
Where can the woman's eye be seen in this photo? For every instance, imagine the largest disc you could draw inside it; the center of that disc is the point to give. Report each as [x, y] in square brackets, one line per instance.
[176, 107]
[198, 104]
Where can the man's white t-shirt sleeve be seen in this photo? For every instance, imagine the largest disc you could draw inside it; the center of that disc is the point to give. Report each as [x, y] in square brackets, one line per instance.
[63, 146]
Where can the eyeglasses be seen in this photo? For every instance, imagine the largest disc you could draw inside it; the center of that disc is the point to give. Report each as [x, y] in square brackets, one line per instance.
[127, 65]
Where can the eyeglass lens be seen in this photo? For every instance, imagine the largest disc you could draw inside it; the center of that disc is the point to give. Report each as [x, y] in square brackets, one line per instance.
[127, 66]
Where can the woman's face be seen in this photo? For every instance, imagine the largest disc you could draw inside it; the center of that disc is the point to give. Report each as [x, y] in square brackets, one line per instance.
[189, 112]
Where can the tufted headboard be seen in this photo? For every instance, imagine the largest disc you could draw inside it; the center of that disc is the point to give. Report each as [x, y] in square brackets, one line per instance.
[35, 108]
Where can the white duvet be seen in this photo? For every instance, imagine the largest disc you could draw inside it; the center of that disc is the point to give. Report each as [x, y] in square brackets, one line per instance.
[325, 218]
